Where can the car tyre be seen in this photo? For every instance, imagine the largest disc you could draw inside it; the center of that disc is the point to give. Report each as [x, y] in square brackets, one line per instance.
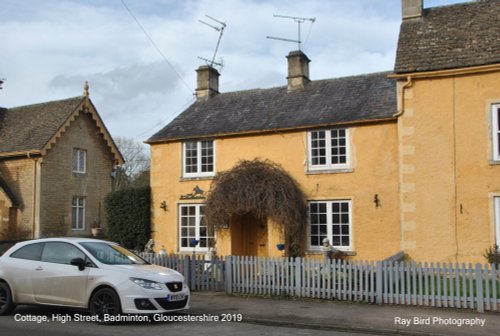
[6, 303]
[105, 301]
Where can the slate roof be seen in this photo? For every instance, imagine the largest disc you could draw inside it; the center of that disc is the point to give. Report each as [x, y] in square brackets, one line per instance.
[321, 103]
[448, 37]
[31, 127]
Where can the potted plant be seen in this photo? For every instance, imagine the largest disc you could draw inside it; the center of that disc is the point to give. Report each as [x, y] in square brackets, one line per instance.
[96, 229]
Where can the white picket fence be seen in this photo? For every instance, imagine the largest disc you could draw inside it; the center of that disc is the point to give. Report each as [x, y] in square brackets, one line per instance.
[382, 282]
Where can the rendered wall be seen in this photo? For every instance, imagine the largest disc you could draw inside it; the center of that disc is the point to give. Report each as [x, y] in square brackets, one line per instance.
[375, 233]
[447, 176]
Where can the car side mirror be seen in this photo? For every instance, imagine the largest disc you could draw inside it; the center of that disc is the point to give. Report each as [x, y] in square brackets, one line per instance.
[78, 262]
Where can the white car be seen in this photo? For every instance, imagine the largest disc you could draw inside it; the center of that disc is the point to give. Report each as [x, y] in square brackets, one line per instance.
[97, 275]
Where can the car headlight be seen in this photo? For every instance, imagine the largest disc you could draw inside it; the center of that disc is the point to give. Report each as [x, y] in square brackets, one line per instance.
[148, 284]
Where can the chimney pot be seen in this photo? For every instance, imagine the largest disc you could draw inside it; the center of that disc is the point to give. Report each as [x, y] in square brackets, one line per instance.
[411, 8]
[207, 82]
[298, 70]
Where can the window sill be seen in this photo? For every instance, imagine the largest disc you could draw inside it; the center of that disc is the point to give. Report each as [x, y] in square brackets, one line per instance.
[494, 163]
[321, 253]
[196, 178]
[331, 171]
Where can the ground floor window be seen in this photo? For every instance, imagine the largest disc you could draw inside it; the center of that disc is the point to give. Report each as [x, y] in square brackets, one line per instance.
[332, 220]
[496, 201]
[78, 213]
[192, 227]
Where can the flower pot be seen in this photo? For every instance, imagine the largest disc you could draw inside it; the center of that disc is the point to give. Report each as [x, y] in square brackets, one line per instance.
[96, 232]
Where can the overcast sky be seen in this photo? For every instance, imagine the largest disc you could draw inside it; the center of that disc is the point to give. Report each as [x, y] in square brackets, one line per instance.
[140, 80]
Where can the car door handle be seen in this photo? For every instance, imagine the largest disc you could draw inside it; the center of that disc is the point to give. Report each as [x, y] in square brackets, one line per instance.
[39, 268]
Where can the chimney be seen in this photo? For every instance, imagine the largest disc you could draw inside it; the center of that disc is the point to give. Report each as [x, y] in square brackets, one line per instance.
[207, 82]
[411, 8]
[298, 70]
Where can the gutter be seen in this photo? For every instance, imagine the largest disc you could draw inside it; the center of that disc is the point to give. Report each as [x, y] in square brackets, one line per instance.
[448, 72]
[28, 154]
[275, 130]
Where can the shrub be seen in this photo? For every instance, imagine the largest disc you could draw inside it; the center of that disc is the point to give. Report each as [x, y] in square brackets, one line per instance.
[492, 254]
[128, 216]
[265, 190]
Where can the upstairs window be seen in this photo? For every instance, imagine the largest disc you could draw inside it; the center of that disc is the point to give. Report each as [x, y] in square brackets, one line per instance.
[495, 118]
[79, 160]
[198, 158]
[328, 149]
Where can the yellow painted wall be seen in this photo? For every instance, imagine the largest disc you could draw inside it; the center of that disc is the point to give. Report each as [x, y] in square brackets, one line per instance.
[376, 230]
[447, 178]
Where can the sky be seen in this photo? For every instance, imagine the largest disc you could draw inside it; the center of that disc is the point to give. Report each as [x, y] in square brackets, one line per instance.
[140, 56]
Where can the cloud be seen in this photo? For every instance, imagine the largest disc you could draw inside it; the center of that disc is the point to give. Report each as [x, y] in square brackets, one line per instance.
[51, 47]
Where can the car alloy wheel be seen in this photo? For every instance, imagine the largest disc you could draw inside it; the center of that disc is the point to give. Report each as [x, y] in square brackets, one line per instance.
[105, 302]
[6, 304]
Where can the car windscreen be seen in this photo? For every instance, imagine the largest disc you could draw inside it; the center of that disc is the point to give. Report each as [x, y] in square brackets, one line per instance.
[112, 254]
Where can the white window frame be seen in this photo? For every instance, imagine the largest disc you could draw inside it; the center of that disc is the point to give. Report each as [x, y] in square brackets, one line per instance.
[197, 226]
[79, 161]
[330, 224]
[496, 211]
[495, 128]
[78, 213]
[328, 165]
[199, 158]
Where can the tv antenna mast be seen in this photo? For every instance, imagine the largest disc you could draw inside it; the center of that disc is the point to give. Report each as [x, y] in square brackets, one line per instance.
[299, 21]
[220, 28]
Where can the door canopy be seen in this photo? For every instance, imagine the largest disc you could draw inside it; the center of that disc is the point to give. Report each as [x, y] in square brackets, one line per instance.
[265, 190]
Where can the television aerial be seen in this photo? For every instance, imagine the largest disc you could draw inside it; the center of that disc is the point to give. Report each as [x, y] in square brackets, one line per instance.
[220, 28]
[299, 21]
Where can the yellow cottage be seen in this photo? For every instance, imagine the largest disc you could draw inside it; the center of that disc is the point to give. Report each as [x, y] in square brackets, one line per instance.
[448, 72]
[387, 162]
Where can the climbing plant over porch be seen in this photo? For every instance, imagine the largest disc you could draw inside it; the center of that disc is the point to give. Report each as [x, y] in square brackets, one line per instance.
[264, 189]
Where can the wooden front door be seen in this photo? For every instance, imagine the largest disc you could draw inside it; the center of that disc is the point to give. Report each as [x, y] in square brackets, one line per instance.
[248, 236]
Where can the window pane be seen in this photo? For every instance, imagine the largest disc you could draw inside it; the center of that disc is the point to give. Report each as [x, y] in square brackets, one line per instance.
[191, 157]
[318, 148]
[207, 158]
[29, 252]
[60, 253]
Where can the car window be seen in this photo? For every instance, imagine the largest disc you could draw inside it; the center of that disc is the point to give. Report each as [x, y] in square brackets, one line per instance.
[61, 253]
[29, 252]
[113, 254]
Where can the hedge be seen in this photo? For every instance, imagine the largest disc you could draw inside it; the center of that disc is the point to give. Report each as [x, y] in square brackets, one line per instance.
[128, 216]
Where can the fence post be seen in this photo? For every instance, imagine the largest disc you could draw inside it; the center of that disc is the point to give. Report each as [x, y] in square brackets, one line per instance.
[479, 288]
[228, 276]
[378, 281]
[185, 269]
[298, 277]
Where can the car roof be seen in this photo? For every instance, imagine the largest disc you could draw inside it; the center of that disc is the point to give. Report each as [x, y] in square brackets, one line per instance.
[62, 239]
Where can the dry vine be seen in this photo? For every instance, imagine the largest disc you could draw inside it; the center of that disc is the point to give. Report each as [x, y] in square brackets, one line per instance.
[264, 189]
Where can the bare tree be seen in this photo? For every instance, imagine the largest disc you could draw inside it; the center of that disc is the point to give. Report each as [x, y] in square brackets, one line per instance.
[136, 164]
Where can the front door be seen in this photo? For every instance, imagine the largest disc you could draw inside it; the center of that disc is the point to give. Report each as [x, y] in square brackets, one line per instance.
[249, 236]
